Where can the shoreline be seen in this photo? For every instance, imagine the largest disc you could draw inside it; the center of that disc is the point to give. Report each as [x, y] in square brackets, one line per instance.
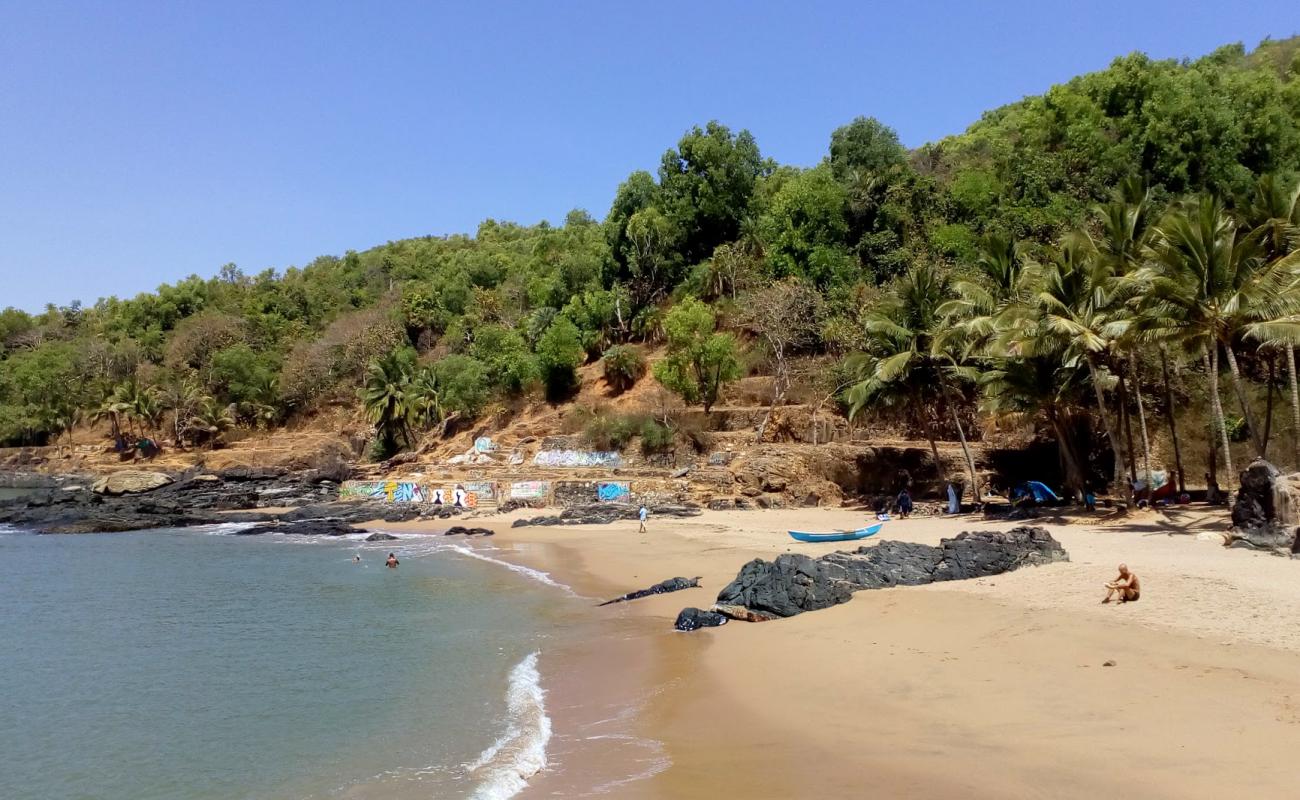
[998, 680]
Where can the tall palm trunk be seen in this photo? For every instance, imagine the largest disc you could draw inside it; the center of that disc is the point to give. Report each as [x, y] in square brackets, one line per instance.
[1120, 468]
[1170, 415]
[1295, 403]
[1217, 404]
[961, 435]
[1142, 422]
[1126, 422]
[1268, 407]
[1255, 432]
[1073, 472]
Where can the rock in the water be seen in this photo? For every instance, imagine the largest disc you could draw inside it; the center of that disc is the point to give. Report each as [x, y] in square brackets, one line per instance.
[380, 536]
[663, 587]
[131, 481]
[308, 527]
[795, 583]
[691, 619]
[1266, 515]
[605, 513]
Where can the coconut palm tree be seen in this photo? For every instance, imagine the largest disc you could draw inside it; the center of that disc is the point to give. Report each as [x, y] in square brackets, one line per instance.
[384, 396]
[911, 364]
[1212, 284]
[211, 418]
[1083, 311]
[993, 301]
[182, 396]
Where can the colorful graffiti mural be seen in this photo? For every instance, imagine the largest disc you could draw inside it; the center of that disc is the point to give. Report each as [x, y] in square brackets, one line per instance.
[390, 491]
[614, 492]
[577, 458]
[530, 490]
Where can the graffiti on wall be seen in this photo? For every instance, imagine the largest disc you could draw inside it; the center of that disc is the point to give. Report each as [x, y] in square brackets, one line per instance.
[483, 492]
[614, 492]
[390, 491]
[530, 490]
[577, 458]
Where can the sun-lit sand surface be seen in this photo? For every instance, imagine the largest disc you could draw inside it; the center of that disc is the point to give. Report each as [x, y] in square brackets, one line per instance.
[986, 688]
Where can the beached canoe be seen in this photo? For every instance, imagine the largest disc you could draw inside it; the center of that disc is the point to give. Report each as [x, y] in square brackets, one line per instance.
[838, 536]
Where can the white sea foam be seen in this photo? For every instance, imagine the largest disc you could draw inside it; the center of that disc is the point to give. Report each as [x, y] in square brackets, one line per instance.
[535, 574]
[520, 753]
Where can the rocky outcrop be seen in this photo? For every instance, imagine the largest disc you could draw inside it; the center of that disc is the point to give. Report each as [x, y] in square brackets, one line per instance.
[691, 619]
[795, 583]
[1266, 515]
[310, 527]
[380, 536]
[605, 513]
[460, 530]
[131, 481]
[663, 587]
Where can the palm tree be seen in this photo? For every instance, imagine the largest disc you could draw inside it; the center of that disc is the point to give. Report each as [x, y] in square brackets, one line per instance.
[182, 397]
[422, 398]
[1211, 285]
[384, 396]
[993, 301]
[911, 363]
[1082, 308]
[211, 418]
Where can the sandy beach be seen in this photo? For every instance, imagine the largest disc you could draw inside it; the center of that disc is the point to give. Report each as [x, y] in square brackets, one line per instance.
[986, 688]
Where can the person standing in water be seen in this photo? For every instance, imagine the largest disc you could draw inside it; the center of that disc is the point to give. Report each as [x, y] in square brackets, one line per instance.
[642, 514]
[356, 559]
[392, 561]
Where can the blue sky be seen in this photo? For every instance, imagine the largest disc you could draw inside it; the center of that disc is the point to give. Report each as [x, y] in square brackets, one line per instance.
[143, 142]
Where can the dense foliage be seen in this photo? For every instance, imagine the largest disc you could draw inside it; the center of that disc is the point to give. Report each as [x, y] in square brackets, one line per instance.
[439, 327]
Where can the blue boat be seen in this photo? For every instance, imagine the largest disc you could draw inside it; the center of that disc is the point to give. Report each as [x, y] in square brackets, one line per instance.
[838, 536]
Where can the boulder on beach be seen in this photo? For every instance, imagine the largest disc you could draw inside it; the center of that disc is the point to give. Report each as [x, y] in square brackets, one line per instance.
[380, 536]
[130, 481]
[794, 583]
[460, 530]
[1266, 514]
[309, 527]
[691, 619]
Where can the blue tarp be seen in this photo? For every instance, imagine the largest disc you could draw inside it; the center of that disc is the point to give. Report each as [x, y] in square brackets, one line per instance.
[1041, 491]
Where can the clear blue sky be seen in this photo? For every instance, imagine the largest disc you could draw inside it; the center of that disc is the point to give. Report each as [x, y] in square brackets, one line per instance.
[142, 142]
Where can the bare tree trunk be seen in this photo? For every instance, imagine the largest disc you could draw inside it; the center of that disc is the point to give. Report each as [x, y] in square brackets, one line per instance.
[934, 450]
[781, 384]
[1268, 406]
[1241, 398]
[1295, 404]
[1142, 421]
[1218, 410]
[1073, 471]
[961, 435]
[1120, 469]
[1170, 415]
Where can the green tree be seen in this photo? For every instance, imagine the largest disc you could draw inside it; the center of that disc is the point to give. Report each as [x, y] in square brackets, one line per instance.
[804, 230]
[462, 385]
[700, 360]
[384, 396]
[560, 353]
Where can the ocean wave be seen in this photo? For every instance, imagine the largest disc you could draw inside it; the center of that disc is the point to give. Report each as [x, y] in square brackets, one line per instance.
[520, 753]
[535, 574]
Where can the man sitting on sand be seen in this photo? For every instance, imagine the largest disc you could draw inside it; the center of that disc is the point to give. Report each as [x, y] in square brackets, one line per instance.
[1126, 585]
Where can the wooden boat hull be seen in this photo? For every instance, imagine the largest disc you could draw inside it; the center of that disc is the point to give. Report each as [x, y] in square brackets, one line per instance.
[839, 536]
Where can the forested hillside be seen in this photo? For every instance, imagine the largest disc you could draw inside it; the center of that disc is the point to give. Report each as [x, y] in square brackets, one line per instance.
[1132, 218]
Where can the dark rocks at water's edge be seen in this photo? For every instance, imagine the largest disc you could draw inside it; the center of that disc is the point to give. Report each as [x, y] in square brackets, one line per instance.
[311, 527]
[605, 513]
[380, 536]
[1266, 514]
[663, 587]
[795, 583]
[691, 619]
[460, 530]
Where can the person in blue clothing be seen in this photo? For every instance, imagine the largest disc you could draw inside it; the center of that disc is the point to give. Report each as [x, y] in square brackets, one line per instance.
[642, 514]
[904, 503]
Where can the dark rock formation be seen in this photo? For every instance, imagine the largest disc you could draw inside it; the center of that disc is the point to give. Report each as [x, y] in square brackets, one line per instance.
[693, 619]
[795, 583]
[380, 536]
[605, 513]
[1266, 515]
[663, 587]
[459, 530]
[310, 527]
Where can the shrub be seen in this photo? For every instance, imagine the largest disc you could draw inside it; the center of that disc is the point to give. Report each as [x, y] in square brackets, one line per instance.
[624, 366]
[655, 437]
[560, 352]
[462, 384]
[610, 431]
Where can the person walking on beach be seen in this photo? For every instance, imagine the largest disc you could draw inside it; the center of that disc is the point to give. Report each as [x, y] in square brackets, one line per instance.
[904, 502]
[392, 561]
[1127, 585]
[642, 514]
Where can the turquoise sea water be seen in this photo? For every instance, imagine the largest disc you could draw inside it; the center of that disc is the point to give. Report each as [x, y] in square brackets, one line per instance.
[189, 665]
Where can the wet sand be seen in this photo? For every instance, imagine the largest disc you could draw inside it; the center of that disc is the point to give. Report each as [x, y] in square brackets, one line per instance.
[993, 687]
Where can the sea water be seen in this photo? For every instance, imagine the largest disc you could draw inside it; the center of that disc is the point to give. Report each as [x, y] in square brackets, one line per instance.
[195, 664]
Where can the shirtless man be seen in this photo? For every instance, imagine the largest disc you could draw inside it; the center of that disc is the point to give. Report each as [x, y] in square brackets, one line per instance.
[1127, 585]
